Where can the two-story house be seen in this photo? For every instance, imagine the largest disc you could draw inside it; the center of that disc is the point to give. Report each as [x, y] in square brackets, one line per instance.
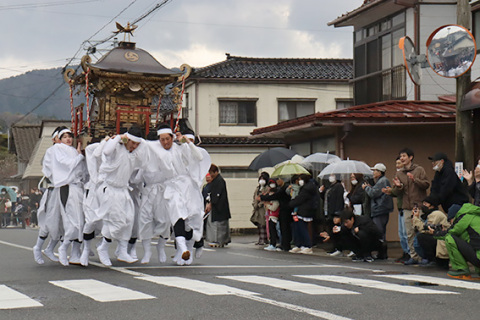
[225, 101]
[390, 112]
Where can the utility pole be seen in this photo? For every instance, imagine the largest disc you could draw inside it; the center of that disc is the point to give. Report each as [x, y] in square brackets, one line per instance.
[464, 148]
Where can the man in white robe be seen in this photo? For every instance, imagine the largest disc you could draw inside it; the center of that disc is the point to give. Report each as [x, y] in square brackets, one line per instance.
[121, 156]
[49, 220]
[91, 203]
[181, 191]
[68, 175]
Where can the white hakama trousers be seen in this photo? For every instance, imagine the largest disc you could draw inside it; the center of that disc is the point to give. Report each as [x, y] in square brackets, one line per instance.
[136, 196]
[117, 210]
[153, 220]
[91, 205]
[72, 214]
[49, 214]
[184, 201]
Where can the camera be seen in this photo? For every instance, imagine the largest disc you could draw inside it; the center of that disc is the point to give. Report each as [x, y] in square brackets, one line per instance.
[435, 227]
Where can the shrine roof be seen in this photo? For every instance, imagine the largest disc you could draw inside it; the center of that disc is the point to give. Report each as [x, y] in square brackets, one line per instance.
[126, 58]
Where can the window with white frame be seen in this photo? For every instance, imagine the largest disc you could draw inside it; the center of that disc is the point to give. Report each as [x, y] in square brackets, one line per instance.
[238, 112]
[292, 109]
[343, 103]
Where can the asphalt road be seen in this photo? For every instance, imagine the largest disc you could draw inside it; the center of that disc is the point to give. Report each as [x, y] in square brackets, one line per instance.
[241, 281]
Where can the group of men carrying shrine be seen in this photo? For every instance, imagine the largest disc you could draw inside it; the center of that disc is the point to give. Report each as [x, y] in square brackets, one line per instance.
[124, 188]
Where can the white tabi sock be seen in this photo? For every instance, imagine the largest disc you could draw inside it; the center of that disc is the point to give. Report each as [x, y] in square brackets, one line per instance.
[37, 251]
[63, 251]
[162, 257]
[147, 249]
[85, 252]
[190, 244]
[122, 252]
[198, 252]
[75, 253]
[132, 250]
[48, 252]
[102, 251]
[182, 254]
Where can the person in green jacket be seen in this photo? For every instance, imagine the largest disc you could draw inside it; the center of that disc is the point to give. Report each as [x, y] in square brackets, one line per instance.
[463, 242]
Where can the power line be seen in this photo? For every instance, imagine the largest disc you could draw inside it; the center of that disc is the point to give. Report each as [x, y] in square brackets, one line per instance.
[41, 5]
[156, 7]
[39, 104]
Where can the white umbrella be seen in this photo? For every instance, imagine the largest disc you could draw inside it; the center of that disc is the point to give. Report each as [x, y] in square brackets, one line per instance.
[318, 161]
[346, 167]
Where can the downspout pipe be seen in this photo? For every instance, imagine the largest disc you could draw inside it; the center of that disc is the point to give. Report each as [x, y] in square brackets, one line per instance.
[347, 128]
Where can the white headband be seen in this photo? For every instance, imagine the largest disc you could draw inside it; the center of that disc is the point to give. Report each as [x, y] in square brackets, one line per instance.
[164, 130]
[63, 131]
[54, 134]
[133, 138]
[189, 136]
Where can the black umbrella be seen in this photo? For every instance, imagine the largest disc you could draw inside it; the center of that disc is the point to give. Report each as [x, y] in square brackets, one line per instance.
[271, 157]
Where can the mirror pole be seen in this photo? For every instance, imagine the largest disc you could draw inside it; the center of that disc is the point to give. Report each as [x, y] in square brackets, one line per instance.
[464, 146]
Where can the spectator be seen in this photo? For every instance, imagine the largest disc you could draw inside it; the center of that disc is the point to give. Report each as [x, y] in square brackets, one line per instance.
[463, 241]
[446, 184]
[305, 204]
[473, 180]
[333, 200]
[285, 217]
[5, 207]
[21, 211]
[272, 214]
[412, 184]
[402, 234]
[218, 229]
[356, 196]
[361, 235]
[336, 236]
[258, 214]
[425, 222]
[381, 203]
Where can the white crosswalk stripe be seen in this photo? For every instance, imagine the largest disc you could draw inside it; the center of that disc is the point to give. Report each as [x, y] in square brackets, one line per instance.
[101, 291]
[12, 299]
[434, 280]
[207, 288]
[220, 289]
[306, 288]
[374, 284]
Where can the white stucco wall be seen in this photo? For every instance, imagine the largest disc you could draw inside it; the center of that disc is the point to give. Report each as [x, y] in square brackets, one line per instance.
[206, 119]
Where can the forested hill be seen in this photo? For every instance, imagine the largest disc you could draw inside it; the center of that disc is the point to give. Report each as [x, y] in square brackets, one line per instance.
[20, 94]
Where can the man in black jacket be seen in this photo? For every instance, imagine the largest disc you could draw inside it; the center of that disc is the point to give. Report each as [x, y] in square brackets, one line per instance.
[446, 185]
[218, 229]
[362, 236]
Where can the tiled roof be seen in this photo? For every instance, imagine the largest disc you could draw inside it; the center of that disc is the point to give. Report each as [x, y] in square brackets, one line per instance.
[25, 137]
[234, 141]
[398, 111]
[277, 68]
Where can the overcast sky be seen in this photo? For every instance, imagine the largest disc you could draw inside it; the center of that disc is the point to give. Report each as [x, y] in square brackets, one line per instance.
[40, 34]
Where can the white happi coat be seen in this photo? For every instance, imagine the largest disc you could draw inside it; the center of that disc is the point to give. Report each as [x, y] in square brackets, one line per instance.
[153, 218]
[116, 205]
[182, 193]
[63, 165]
[91, 204]
[49, 220]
